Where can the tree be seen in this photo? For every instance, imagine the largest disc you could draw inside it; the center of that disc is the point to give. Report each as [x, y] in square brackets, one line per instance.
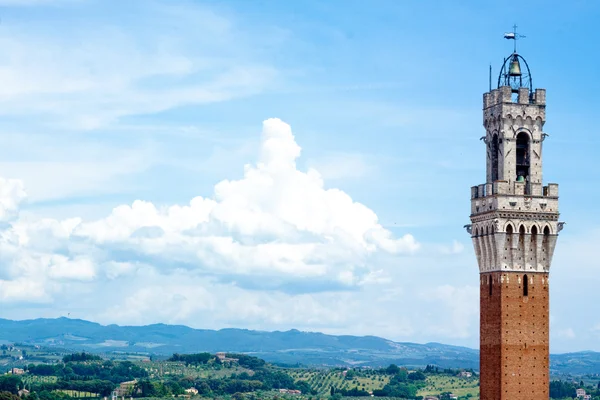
[83, 356]
[416, 376]
[393, 369]
[304, 387]
[145, 388]
[350, 374]
[10, 383]
[191, 359]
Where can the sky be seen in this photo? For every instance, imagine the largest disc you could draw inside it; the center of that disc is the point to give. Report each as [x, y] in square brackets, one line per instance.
[274, 165]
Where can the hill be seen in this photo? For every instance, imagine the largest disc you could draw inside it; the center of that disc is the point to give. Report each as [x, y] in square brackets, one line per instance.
[290, 347]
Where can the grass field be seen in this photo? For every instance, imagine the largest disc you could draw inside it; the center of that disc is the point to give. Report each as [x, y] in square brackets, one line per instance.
[461, 387]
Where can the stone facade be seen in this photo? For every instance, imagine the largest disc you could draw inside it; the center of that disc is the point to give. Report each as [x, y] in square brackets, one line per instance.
[514, 228]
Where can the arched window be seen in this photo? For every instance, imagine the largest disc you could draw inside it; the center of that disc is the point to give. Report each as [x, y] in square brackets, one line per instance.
[494, 148]
[525, 286]
[523, 158]
[490, 283]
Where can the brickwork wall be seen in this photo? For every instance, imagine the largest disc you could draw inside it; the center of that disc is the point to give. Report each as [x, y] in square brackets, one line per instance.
[490, 337]
[514, 337]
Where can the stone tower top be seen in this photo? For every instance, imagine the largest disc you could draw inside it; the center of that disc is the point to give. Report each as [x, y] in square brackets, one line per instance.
[514, 217]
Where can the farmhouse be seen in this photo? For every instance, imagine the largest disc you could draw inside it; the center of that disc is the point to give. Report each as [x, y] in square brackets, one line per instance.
[192, 391]
[17, 371]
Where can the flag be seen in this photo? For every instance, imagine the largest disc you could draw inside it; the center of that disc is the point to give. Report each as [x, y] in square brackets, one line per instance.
[510, 35]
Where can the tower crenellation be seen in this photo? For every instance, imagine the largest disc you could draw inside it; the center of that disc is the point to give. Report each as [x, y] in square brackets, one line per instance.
[514, 228]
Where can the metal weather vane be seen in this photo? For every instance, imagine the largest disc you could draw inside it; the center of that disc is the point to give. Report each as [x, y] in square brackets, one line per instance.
[514, 36]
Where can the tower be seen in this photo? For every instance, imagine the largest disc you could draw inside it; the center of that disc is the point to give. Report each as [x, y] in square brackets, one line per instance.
[514, 227]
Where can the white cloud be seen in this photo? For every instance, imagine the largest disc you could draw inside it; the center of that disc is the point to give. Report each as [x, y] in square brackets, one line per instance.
[92, 77]
[12, 193]
[277, 227]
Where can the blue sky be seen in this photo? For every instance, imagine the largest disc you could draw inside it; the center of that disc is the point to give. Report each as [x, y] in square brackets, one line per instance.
[115, 115]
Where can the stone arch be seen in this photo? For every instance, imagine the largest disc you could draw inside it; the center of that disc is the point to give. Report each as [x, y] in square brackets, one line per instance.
[519, 120]
[529, 225]
[509, 224]
[525, 131]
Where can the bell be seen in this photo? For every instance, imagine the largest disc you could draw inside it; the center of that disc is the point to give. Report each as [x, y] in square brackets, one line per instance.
[515, 68]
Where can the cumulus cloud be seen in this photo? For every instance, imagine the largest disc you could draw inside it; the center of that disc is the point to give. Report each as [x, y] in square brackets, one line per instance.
[276, 228]
[12, 194]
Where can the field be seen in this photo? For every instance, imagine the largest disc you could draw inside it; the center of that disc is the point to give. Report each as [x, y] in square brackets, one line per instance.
[11, 356]
[78, 394]
[33, 379]
[437, 384]
[163, 368]
[322, 381]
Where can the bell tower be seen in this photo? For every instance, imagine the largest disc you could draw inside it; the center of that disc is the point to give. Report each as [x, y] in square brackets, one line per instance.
[514, 228]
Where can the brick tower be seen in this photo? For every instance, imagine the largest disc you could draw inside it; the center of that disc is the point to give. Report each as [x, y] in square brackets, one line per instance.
[514, 227]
